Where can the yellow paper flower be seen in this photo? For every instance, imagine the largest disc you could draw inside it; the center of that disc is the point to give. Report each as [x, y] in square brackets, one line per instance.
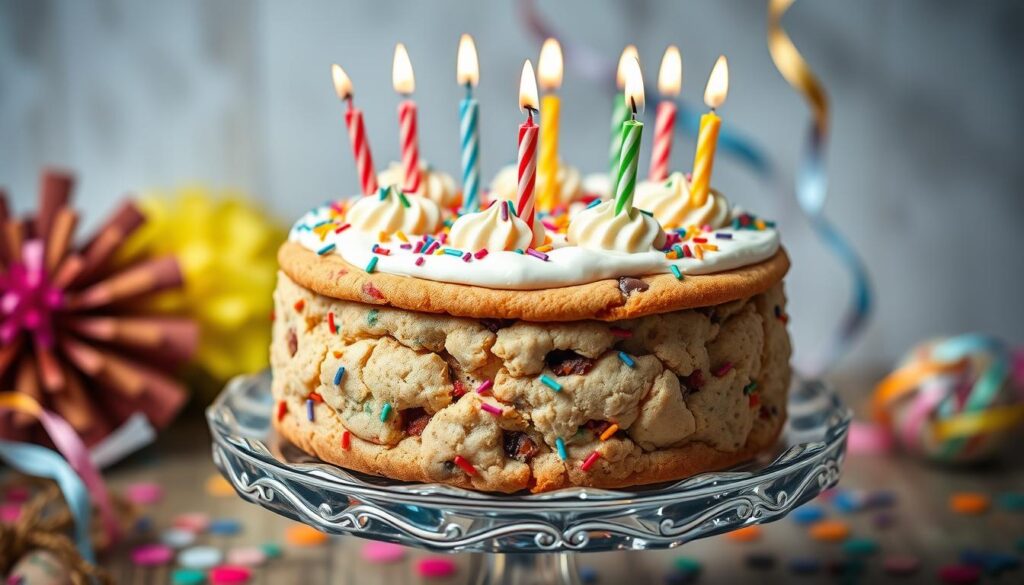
[227, 249]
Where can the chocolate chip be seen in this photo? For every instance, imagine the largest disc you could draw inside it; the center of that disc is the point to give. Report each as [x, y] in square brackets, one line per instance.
[564, 362]
[519, 446]
[293, 342]
[415, 420]
[628, 285]
[493, 325]
[695, 381]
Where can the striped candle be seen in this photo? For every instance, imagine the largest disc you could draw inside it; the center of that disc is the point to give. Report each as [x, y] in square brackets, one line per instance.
[527, 170]
[468, 74]
[625, 177]
[405, 83]
[620, 114]
[356, 132]
[664, 128]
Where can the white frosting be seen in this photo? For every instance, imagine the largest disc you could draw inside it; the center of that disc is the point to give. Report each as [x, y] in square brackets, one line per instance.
[600, 228]
[669, 201]
[506, 184]
[566, 265]
[495, 230]
[434, 185]
[599, 184]
[372, 214]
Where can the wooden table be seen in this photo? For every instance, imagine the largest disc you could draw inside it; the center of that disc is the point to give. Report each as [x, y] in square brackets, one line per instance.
[180, 461]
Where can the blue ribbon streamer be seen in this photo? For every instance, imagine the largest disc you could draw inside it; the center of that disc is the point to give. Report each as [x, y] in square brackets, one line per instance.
[42, 462]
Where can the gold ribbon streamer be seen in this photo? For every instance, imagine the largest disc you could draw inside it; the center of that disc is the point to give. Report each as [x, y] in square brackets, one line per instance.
[793, 67]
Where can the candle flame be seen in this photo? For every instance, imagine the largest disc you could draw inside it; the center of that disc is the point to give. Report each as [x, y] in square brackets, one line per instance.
[528, 88]
[718, 83]
[467, 66]
[401, 72]
[628, 53]
[549, 67]
[670, 77]
[634, 86]
[342, 84]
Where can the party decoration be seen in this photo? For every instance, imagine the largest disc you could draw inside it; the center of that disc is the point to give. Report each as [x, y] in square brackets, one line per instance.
[670, 82]
[707, 138]
[226, 247]
[812, 186]
[74, 335]
[954, 399]
[405, 83]
[620, 109]
[468, 75]
[356, 131]
[549, 75]
[632, 129]
[526, 194]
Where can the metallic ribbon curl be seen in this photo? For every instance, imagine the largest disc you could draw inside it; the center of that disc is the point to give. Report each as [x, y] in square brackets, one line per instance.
[812, 185]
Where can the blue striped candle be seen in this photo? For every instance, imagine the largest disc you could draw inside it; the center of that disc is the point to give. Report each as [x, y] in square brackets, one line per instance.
[469, 113]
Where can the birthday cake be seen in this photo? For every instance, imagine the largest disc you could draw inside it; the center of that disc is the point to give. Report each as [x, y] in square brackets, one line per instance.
[517, 344]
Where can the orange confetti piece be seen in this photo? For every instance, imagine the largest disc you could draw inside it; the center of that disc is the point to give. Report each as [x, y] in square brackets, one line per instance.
[745, 534]
[609, 432]
[830, 531]
[971, 503]
[219, 487]
[302, 535]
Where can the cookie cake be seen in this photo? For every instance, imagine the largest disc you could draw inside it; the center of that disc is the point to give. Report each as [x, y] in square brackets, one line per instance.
[510, 341]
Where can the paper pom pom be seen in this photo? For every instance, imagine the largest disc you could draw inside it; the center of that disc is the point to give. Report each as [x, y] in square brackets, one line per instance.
[953, 399]
[72, 332]
[227, 248]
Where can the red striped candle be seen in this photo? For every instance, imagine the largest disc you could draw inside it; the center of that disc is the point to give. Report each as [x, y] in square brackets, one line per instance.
[404, 83]
[670, 81]
[356, 132]
[527, 146]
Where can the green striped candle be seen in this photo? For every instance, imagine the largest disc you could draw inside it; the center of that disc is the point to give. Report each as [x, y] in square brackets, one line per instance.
[620, 113]
[625, 176]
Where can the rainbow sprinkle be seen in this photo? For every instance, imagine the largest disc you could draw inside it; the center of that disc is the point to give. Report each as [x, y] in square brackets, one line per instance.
[339, 375]
[749, 388]
[590, 461]
[465, 465]
[481, 253]
[346, 440]
[452, 252]
[610, 432]
[309, 409]
[490, 408]
[384, 412]
[401, 197]
[550, 383]
[504, 213]
[723, 236]
[401, 236]
[723, 369]
[384, 192]
[383, 236]
[282, 409]
[484, 386]
[626, 359]
[330, 322]
[560, 445]
[419, 261]
[675, 271]
[593, 203]
[466, 257]
[512, 208]
[371, 265]
[537, 254]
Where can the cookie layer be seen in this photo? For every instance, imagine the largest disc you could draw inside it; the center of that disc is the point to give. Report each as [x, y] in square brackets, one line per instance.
[688, 391]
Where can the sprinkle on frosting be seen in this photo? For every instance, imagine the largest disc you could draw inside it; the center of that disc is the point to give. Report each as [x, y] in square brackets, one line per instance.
[600, 228]
[669, 201]
[388, 214]
[495, 228]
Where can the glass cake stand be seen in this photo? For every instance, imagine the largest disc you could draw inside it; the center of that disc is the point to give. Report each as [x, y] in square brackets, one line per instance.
[511, 529]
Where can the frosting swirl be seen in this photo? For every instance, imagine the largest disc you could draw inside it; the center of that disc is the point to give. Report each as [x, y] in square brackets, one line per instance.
[495, 229]
[434, 185]
[599, 228]
[506, 183]
[669, 201]
[392, 211]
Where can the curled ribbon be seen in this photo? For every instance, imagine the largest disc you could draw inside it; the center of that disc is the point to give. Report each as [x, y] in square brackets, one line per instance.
[75, 458]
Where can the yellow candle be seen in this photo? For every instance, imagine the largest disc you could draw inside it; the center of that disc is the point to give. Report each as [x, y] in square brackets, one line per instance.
[549, 77]
[707, 137]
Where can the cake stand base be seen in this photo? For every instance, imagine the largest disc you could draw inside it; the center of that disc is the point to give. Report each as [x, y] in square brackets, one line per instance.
[525, 569]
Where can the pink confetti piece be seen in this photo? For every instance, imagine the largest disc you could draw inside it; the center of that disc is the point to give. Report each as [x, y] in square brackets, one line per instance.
[152, 555]
[382, 552]
[435, 568]
[229, 575]
[193, 522]
[247, 556]
[144, 493]
[868, 439]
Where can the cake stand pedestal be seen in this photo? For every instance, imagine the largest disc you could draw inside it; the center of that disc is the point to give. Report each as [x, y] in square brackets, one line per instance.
[512, 531]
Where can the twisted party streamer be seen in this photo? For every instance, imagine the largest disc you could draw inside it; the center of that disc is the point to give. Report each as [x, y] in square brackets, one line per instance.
[74, 451]
[812, 184]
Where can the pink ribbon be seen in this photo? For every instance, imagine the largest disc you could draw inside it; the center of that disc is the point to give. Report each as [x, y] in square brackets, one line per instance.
[28, 300]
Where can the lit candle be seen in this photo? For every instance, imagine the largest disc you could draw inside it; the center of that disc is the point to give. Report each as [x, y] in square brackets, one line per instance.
[620, 110]
[527, 146]
[632, 129]
[707, 138]
[549, 72]
[356, 132]
[468, 74]
[404, 82]
[670, 81]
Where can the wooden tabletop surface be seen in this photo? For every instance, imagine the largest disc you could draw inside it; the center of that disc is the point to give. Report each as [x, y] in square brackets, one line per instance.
[923, 526]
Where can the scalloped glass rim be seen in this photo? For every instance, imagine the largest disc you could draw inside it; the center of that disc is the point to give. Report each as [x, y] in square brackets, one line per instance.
[240, 419]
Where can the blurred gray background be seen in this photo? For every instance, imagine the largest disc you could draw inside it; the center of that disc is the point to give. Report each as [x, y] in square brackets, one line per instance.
[926, 171]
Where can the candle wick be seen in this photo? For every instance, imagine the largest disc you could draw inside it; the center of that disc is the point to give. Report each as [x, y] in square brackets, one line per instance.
[348, 101]
[469, 90]
[529, 114]
[632, 106]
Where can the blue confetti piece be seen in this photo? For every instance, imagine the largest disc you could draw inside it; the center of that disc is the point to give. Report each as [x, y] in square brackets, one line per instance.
[807, 514]
[224, 527]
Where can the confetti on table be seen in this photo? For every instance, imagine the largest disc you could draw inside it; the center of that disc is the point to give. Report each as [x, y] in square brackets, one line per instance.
[1011, 501]
[745, 534]
[588, 575]
[830, 531]
[144, 493]
[804, 565]
[271, 549]
[246, 556]
[993, 563]
[302, 535]
[883, 521]
[178, 537]
[229, 575]
[807, 514]
[187, 577]
[687, 565]
[869, 439]
[200, 557]
[435, 568]
[382, 552]
[970, 503]
[959, 574]
[849, 501]
[224, 527]
[901, 565]
[860, 547]
[219, 487]
[192, 521]
[152, 555]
